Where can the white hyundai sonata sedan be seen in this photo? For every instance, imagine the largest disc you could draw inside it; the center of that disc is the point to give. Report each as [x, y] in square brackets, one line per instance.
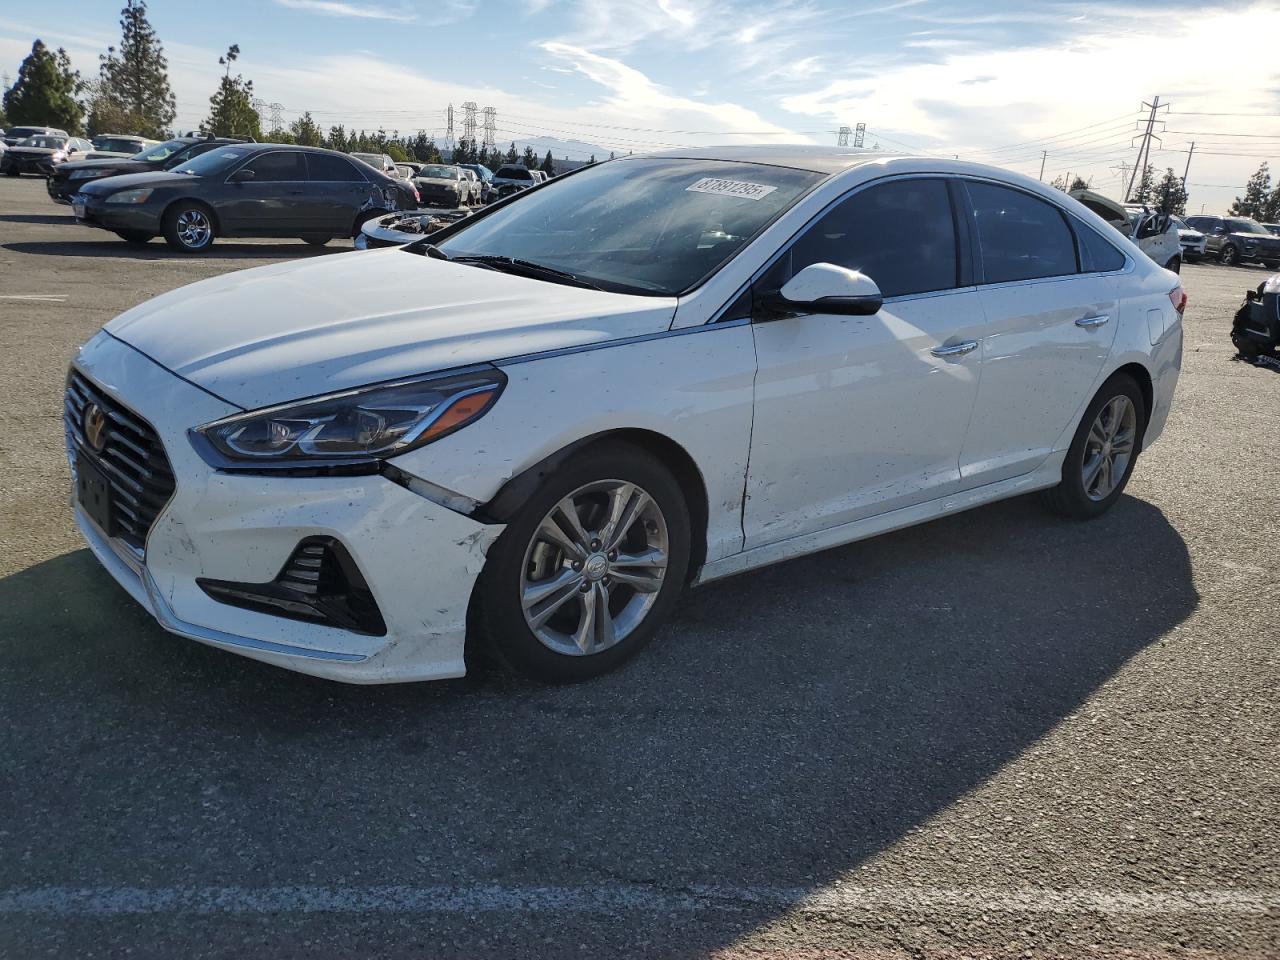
[537, 429]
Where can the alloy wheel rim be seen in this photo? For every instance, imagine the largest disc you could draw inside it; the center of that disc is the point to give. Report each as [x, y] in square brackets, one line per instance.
[194, 229]
[1109, 447]
[594, 567]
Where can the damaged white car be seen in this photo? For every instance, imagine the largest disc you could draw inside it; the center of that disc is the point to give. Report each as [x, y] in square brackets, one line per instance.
[1155, 233]
[536, 427]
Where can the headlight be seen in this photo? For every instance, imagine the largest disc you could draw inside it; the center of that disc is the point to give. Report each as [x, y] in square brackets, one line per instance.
[130, 196]
[58, 155]
[84, 174]
[352, 428]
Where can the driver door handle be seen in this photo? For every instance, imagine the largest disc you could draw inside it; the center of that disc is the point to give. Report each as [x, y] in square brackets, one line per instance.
[1090, 322]
[955, 349]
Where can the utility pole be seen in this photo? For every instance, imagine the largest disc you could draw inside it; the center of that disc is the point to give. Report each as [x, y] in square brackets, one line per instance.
[448, 133]
[1144, 150]
[1044, 155]
[1187, 169]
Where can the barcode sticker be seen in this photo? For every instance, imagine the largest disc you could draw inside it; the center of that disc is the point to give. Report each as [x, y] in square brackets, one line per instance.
[731, 188]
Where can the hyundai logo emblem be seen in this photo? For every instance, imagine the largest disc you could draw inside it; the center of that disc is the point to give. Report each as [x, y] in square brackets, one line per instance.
[95, 426]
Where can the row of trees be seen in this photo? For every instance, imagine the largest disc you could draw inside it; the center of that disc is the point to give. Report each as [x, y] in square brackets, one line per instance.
[1261, 200]
[131, 94]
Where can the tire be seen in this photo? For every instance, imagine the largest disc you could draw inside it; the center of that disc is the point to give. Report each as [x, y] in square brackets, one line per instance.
[316, 240]
[188, 227]
[1081, 494]
[1175, 265]
[11, 173]
[136, 237]
[563, 648]
[1230, 255]
[1272, 264]
[365, 217]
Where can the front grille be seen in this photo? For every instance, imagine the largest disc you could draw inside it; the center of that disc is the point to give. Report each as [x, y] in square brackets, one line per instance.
[132, 458]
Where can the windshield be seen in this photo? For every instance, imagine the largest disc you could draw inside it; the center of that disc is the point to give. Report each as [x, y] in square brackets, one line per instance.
[1245, 226]
[45, 143]
[439, 172]
[115, 145]
[639, 226]
[213, 162]
[373, 159]
[161, 151]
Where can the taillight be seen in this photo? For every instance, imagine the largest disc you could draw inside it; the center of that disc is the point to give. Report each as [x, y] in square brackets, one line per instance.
[1178, 297]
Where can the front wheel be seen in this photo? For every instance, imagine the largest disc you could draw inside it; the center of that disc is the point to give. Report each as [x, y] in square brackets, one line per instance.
[589, 568]
[1102, 454]
[316, 240]
[1230, 255]
[188, 228]
[1175, 265]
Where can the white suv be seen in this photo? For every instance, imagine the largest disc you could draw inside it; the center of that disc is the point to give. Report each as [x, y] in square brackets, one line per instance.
[540, 424]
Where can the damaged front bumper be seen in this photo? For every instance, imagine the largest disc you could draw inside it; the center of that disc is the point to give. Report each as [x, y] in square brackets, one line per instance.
[419, 558]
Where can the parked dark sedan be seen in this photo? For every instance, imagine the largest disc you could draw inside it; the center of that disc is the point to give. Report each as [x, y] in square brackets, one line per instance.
[67, 178]
[1238, 240]
[40, 154]
[241, 190]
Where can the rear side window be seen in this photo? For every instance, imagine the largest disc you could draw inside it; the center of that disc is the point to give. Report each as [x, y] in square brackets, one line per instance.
[325, 167]
[1020, 237]
[901, 234]
[275, 167]
[1096, 254]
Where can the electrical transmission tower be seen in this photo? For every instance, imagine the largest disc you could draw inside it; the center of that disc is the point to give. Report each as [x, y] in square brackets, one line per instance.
[277, 116]
[490, 126]
[859, 135]
[842, 137]
[1122, 170]
[1144, 149]
[448, 133]
[469, 120]
[259, 107]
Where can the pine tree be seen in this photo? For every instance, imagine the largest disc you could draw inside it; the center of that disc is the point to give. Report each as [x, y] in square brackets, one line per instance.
[306, 131]
[1170, 194]
[512, 156]
[548, 165]
[337, 139]
[1079, 183]
[1271, 209]
[1146, 185]
[132, 94]
[45, 91]
[1256, 195]
[529, 158]
[591, 159]
[231, 112]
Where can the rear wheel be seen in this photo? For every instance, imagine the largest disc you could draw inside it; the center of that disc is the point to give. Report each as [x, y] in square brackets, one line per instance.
[316, 240]
[585, 574]
[1230, 255]
[188, 228]
[1102, 454]
[137, 237]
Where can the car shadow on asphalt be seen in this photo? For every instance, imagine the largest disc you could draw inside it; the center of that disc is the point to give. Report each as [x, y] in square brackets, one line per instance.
[36, 218]
[787, 726]
[156, 250]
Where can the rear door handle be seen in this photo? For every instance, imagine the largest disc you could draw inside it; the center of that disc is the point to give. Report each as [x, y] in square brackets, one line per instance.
[1090, 322]
[955, 349]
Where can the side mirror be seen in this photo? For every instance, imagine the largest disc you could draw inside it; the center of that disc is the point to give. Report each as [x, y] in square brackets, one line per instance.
[243, 175]
[827, 288]
[1219, 231]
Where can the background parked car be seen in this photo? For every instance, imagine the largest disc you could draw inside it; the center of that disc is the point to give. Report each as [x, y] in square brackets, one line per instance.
[442, 184]
[241, 190]
[379, 161]
[109, 145]
[1192, 240]
[485, 176]
[473, 182]
[69, 177]
[39, 154]
[1154, 232]
[1273, 228]
[14, 134]
[511, 178]
[1239, 240]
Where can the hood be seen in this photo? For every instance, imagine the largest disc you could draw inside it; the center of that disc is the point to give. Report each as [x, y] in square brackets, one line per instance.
[123, 165]
[1189, 234]
[1104, 207]
[33, 151]
[107, 154]
[291, 330]
[153, 178]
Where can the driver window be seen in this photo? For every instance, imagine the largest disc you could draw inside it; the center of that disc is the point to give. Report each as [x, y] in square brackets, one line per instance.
[901, 234]
[278, 166]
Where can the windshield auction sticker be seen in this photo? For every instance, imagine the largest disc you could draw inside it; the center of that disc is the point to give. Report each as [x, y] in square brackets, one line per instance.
[731, 188]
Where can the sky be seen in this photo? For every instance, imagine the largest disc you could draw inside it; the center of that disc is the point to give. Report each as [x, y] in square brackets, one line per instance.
[996, 81]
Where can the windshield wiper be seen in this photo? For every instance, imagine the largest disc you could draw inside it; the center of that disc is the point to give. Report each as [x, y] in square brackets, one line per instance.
[527, 267]
[426, 248]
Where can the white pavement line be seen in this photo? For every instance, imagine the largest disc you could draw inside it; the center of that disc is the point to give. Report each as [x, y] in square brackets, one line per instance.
[44, 297]
[610, 898]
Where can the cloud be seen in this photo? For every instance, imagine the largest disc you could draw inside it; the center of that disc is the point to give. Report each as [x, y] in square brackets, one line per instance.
[338, 8]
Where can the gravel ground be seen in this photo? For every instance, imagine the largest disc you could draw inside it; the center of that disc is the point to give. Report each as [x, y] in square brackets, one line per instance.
[1000, 734]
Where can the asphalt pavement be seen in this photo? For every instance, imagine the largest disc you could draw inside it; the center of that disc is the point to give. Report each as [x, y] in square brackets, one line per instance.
[999, 734]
